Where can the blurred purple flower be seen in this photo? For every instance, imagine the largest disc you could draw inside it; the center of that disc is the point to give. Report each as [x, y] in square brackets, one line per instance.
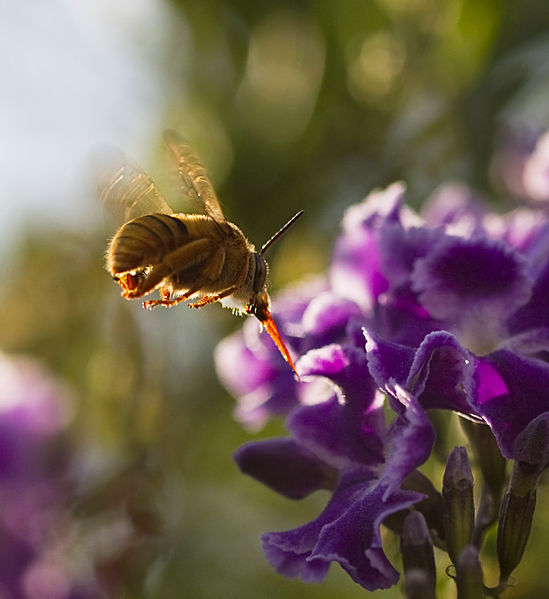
[35, 411]
[514, 148]
[248, 363]
[536, 171]
[454, 307]
[521, 166]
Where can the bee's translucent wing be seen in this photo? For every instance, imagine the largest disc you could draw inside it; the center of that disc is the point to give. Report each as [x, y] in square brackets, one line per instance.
[193, 175]
[130, 192]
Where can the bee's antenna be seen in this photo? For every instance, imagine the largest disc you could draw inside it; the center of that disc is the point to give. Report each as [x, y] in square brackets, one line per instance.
[268, 244]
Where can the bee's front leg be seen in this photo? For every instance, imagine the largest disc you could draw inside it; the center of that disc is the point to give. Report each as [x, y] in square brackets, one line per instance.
[210, 299]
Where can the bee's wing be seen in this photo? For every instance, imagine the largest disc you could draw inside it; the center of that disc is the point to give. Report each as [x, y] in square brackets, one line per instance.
[130, 192]
[193, 175]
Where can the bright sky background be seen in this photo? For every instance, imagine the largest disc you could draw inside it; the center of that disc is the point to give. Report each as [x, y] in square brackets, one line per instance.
[75, 74]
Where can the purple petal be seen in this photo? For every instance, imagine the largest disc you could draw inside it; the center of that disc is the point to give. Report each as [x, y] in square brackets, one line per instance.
[439, 373]
[253, 370]
[354, 541]
[327, 315]
[345, 366]
[524, 230]
[353, 538]
[289, 307]
[456, 206]
[402, 319]
[536, 312]
[409, 441]
[510, 391]
[347, 531]
[528, 343]
[240, 368]
[35, 409]
[249, 364]
[462, 275]
[474, 285]
[288, 552]
[381, 205]
[288, 561]
[337, 434]
[399, 248]
[355, 272]
[387, 361]
[284, 466]
[346, 429]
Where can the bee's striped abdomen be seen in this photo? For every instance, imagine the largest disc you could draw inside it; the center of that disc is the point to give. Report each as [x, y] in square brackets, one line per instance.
[143, 242]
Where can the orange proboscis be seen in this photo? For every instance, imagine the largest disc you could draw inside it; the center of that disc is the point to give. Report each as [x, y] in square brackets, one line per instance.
[270, 327]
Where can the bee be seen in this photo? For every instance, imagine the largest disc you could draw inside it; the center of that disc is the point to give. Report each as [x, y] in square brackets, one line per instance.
[202, 257]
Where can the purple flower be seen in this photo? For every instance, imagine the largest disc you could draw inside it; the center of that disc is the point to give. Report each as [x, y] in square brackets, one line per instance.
[483, 295]
[308, 315]
[449, 310]
[35, 411]
[342, 444]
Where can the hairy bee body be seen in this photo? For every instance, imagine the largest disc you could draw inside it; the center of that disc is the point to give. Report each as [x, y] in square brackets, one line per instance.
[143, 240]
[184, 255]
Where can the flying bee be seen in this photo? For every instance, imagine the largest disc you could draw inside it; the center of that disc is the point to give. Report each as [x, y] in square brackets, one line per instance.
[185, 256]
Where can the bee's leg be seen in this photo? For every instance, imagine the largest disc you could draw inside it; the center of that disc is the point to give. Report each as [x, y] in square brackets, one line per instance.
[205, 251]
[193, 253]
[210, 274]
[210, 299]
[187, 256]
[167, 301]
[128, 282]
[140, 284]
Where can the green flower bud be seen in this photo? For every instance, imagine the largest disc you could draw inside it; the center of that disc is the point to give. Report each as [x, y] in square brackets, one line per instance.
[416, 547]
[469, 579]
[492, 464]
[517, 510]
[458, 503]
[417, 585]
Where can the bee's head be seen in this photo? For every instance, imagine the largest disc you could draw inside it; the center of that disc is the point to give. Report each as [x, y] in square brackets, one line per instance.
[258, 304]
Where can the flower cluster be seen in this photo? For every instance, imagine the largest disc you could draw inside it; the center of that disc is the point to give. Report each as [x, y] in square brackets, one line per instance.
[35, 530]
[445, 310]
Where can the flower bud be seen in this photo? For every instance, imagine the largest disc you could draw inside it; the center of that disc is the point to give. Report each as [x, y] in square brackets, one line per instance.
[417, 585]
[532, 448]
[514, 526]
[458, 503]
[517, 510]
[416, 547]
[469, 580]
[492, 464]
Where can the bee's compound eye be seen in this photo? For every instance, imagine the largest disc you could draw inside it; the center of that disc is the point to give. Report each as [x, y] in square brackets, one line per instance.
[260, 273]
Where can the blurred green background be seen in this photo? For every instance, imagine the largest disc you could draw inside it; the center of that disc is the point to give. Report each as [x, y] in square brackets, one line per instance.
[292, 105]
